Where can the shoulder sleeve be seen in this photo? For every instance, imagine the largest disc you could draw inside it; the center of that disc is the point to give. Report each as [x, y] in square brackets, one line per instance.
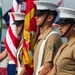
[52, 45]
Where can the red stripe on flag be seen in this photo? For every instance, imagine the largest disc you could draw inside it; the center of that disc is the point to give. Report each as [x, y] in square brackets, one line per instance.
[13, 9]
[13, 37]
[9, 51]
[13, 17]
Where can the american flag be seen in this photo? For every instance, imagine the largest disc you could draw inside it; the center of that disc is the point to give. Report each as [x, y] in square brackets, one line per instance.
[6, 17]
[12, 39]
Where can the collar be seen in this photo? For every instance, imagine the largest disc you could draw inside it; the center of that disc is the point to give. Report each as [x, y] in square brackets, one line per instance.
[44, 35]
[71, 42]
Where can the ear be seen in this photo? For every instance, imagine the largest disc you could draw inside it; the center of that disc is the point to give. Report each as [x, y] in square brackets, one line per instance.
[50, 18]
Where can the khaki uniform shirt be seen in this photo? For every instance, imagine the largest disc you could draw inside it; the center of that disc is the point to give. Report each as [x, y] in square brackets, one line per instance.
[64, 61]
[52, 44]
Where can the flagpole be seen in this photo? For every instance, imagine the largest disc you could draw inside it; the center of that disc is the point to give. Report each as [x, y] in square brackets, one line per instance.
[0, 21]
[0, 51]
[0, 7]
[0, 40]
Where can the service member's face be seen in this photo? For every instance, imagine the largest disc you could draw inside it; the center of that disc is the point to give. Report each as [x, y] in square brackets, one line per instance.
[19, 28]
[63, 28]
[40, 19]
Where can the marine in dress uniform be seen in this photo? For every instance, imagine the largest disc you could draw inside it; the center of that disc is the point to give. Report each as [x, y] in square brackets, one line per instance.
[19, 22]
[45, 16]
[64, 61]
[65, 58]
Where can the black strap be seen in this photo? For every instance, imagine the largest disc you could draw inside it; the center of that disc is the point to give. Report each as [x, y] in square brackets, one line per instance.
[45, 19]
[21, 30]
[68, 29]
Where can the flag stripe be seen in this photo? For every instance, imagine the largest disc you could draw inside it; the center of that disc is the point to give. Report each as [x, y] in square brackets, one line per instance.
[12, 10]
[10, 44]
[15, 5]
[9, 51]
[14, 38]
